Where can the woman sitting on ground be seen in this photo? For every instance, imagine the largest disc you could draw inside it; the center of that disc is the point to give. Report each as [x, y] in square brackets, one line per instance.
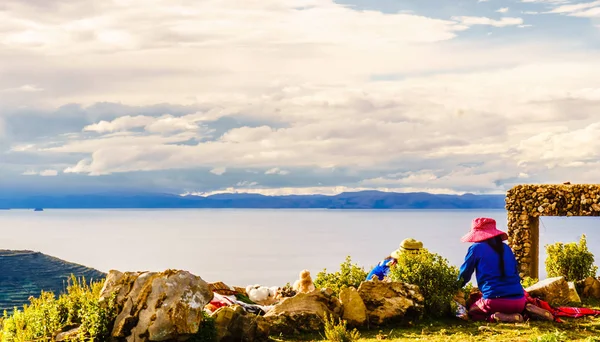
[495, 265]
[383, 268]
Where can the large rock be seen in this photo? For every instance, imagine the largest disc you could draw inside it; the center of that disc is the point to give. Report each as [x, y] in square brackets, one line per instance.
[166, 306]
[118, 283]
[233, 323]
[573, 295]
[591, 288]
[354, 310]
[305, 312]
[552, 290]
[391, 302]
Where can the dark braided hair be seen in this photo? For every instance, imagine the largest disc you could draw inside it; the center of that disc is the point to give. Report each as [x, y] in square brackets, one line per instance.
[498, 246]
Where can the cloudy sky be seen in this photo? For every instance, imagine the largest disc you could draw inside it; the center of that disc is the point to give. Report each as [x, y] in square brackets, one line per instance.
[298, 96]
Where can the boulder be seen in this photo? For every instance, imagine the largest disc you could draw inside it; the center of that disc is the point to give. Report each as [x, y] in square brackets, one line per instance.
[591, 288]
[118, 283]
[305, 312]
[233, 323]
[354, 310]
[165, 306]
[552, 290]
[573, 295]
[69, 335]
[391, 302]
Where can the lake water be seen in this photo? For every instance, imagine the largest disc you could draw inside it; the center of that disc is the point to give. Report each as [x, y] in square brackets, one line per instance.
[242, 247]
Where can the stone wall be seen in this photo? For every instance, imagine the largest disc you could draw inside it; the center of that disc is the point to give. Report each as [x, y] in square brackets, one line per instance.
[526, 203]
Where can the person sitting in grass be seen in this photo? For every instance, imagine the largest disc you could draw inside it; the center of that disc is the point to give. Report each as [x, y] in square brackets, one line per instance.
[383, 268]
[502, 296]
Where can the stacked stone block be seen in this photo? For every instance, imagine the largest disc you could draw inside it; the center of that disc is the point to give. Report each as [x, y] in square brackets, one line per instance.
[526, 203]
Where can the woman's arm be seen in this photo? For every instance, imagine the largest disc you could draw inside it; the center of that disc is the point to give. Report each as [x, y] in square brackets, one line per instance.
[468, 267]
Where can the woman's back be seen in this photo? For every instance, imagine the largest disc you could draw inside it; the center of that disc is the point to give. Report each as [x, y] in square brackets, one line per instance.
[490, 280]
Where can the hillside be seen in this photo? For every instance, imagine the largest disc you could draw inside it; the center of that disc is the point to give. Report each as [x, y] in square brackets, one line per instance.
[349, 200]
[27, 273]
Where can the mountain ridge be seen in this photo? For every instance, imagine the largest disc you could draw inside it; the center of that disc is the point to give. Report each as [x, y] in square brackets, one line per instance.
[369, 199]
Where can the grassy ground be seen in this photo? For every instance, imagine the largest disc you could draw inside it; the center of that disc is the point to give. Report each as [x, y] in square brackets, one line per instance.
[580, 329]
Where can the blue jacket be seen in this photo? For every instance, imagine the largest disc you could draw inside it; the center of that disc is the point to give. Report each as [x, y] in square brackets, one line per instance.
[482, 259]
[381, 270]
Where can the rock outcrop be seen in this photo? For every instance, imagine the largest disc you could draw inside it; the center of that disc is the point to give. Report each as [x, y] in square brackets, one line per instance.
[305, 312]
[591, 288]
[354, 310]
[233, 323]
[391, 302]
[552, 290]
[573, 295]
[165, 306]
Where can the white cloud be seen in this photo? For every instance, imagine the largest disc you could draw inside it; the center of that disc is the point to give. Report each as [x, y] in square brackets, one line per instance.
[506, 21]
[277, 171]
[322, 190]
[575, 7]
[552, 2]
[460, 178]
[124, 123]
[589, 13]
[218, 171]
[361, 91]
[502, 10]
[48, 173]
[246, 184]
[483, 0]
[43, 173]
[27, 88]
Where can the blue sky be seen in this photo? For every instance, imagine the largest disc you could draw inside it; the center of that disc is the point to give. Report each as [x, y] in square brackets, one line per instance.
[297, 96]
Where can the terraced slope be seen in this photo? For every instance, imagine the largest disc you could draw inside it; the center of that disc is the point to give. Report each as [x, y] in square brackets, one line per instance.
[27, 273]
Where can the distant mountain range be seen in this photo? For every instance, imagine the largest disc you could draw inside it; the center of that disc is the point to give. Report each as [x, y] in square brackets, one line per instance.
[27, 273]
[349, 200]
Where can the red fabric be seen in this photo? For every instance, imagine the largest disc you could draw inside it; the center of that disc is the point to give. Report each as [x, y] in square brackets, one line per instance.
[575, 312]
[483, 228]
[561, 311]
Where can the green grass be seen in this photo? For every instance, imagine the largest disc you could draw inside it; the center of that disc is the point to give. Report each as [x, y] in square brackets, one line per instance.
[580, 329]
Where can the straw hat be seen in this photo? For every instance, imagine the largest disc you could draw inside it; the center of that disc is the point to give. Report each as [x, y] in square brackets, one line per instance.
[483, 228]
[409, 245]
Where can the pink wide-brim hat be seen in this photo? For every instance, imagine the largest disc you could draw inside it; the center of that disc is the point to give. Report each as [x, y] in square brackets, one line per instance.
[483, 228]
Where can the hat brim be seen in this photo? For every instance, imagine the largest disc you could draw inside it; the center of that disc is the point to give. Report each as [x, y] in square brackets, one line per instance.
[396, 254]
[482, 235]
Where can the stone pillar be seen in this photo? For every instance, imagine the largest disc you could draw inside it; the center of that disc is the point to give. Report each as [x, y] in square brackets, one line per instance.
[523, 238]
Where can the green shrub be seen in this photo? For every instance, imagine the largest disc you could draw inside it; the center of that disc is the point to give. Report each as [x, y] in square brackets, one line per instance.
[339, 332]
[436, 279]
[572, 260]
[348, 275]
[207, 331]
[528, 281]
[47, 314]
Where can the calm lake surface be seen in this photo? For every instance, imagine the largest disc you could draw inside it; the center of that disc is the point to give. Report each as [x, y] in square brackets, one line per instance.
[242, 247]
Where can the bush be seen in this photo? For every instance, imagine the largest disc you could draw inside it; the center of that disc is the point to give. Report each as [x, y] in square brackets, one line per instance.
[47, 314]
[436, 279]
[339, 332]
[207, 331]
[349, 275]
[572, 260]
[528, 281]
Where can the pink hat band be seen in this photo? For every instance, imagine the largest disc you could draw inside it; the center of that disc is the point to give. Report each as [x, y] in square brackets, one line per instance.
[483, 228]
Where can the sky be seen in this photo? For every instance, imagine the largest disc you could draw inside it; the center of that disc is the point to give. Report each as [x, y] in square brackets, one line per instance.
[297, 96]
